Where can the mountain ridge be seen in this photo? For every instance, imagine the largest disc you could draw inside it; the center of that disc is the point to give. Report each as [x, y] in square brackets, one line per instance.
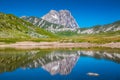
[49, 23]
[111, 27]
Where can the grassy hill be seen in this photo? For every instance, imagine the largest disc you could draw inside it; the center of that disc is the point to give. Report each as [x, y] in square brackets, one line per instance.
[13, 28]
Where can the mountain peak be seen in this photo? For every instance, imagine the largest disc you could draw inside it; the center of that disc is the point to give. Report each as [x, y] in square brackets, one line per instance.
[61, 17]
[53, 11]
[66, 11]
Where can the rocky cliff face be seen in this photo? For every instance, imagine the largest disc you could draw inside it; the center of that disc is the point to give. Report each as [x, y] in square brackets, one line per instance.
[41, 23]
[62, 17]
[46, 25]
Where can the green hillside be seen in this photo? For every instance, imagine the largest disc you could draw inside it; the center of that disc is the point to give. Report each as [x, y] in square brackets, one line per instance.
[12, 27]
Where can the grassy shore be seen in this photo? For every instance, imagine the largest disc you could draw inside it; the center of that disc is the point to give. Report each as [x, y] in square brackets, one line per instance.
[74, 39]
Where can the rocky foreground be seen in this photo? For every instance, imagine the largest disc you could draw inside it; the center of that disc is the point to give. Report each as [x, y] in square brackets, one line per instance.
[44, 45]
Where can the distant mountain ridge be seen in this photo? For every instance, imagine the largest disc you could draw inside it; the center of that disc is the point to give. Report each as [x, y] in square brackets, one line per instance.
[112, 27]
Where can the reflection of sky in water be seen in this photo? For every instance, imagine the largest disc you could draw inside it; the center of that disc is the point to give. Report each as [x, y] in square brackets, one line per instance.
[107, 69]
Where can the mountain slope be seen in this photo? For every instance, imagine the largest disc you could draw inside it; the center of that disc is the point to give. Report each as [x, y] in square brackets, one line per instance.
[13, 27]
[43, 23]
[47, 25]
[112, 27]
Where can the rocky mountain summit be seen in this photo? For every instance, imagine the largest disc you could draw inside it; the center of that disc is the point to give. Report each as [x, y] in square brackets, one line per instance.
[54, 21]
[62, 17]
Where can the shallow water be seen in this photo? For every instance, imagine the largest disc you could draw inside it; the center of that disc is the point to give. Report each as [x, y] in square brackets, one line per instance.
[59, 65]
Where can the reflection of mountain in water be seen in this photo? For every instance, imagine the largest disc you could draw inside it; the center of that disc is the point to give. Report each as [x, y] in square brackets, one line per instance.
[63, 66]
[55, 62]
[10, 61]
[101, 54]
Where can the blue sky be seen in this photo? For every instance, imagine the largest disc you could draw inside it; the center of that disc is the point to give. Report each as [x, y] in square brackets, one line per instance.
[86, 12]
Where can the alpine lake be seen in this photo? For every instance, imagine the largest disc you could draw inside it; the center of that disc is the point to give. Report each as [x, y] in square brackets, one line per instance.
[60, 64]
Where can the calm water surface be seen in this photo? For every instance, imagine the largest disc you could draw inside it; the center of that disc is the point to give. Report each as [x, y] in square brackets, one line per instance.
[59, 65]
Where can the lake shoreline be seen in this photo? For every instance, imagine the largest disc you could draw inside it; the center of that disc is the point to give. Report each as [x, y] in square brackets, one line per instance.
[45, 45]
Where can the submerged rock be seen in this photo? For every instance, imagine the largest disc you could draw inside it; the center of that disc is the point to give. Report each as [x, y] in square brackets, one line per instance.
[92, 74]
